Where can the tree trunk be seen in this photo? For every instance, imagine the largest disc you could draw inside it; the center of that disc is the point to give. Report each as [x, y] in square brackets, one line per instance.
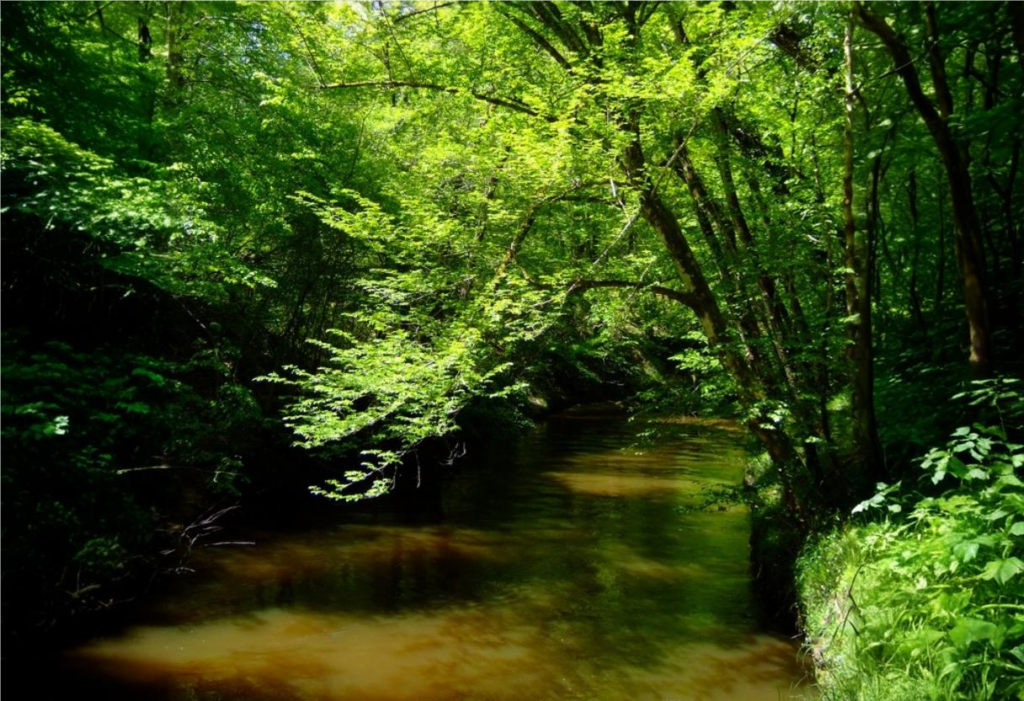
[940, 277]
[915, 238]
[749, 384]
[970, 254]
[858, 295]
[775, 313]
[175, 79]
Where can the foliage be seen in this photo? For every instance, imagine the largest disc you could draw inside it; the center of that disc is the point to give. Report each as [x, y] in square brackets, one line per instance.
[66, 415]
[389, 391]
[403, 373]
[929, 606]
[77, 426]
[396, 211]
[144, 227]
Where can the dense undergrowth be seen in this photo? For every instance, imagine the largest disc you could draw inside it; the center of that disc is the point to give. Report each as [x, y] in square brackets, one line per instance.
[113, 464]
[928, 601]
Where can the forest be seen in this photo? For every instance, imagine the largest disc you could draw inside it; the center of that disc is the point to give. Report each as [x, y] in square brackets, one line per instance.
[268, 258]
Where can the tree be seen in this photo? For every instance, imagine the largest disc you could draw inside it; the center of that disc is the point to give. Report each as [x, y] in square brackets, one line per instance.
[955, 158]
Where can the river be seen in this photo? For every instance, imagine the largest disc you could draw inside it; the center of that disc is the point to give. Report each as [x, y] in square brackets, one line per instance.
[568, 564]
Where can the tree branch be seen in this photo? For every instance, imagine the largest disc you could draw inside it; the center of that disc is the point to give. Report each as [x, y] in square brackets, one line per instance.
[647, 11]
[508, 103]
[937, 64]
[549, 15]
[790, 42]
[537, 38]
[679, 296]
[414, 13]
[99, 10]
[904, 63]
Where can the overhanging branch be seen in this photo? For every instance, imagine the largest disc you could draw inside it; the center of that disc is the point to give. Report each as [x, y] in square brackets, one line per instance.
[508, 103]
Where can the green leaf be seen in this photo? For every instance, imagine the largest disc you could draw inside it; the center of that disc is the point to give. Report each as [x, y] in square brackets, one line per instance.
[1002, 570]
[971, 630]
[966, 551]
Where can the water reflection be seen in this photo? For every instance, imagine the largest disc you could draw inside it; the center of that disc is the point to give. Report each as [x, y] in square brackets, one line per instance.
[457, 653]
[480, 653]
[359, 546]
[563, 569]
[622, 485]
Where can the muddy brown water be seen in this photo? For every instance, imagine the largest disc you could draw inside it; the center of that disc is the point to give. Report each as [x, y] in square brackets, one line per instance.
[568, 564]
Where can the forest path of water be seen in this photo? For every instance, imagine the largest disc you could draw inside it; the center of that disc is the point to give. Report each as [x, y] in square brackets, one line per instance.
[567, 565]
